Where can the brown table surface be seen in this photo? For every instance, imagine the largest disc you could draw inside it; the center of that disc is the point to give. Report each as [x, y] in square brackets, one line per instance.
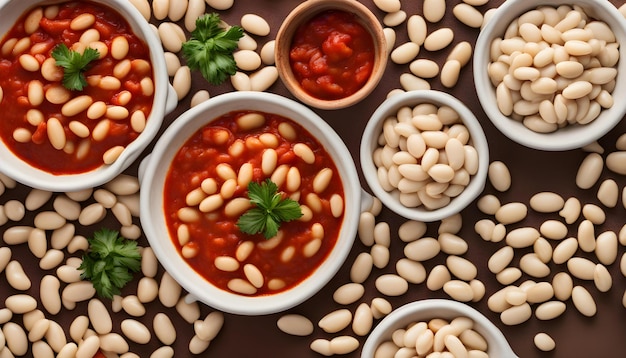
[533, 171]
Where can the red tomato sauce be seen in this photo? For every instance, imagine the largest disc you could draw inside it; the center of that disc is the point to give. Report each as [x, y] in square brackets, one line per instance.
[332, 55]
[15, 80]
[214, 234]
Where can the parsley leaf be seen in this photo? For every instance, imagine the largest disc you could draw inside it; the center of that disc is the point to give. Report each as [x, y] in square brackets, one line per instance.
[110, 262]
[74, 64]
[210, 49]
[269, 212]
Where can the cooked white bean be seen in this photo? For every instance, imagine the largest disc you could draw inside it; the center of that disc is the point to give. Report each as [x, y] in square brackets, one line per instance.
[182, 82]
[255, 25]
[49, 220]
[516, 314]
[348, 293]
[422, 249]
[522, 237]
[267, 53]
[16, 276]
[614, 162]
[135, 331]
[147, 290]
[51, 259]
[363, 320]
[593, 213]
[583, 301]
[511, 213]
[16, 235]
[241, 286]
[391, 285]
[16, 339]
[247, 60]
[434, 10]
[164, 328]
[263, 79]
[99, 316]
[343, 344]
[335, 321]
[92, 214]
[461, 267]
[132, 305]
[20, 303]
[602, 278]
[49, 294]
[189, 310]
[241, 81]
[295, 325]
[169, 291]
[499, 176]
[405, 53]
[544, 342]
[439, 39]
[417, 29]
[468, 15]
[458, 290]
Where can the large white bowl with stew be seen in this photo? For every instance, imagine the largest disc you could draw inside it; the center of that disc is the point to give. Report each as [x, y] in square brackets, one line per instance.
[153, 172]
[164, 101]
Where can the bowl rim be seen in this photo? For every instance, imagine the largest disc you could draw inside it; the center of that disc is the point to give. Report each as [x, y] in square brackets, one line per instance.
[305, 11]
[164, 101]
[154, 228]
[369, 143]
[570, 137]
[437, 308]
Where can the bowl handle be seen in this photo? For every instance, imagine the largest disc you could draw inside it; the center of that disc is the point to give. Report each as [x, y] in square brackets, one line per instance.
[189, 299]
[142, 167]
[171, 100]
[367, 200]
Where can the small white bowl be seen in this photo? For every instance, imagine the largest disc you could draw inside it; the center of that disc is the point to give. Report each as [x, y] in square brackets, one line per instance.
[165, 101]
[369, 143]
[153, 171]
[569, 137]
[428, 309]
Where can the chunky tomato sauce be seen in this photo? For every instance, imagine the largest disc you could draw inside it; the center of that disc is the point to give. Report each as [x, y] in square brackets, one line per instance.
[332, 55]
[78, 154]
[214, 234]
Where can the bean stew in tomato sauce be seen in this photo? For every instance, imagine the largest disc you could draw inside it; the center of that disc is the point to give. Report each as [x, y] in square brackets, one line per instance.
[205, 193]
[332, 55]
[64, 131]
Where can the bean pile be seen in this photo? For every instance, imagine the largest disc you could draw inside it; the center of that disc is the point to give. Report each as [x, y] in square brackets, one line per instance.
[554, 67]
[426, 154]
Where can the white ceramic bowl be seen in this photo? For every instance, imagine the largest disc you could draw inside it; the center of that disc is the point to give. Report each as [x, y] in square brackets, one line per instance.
[428, 309]
[152, 177]
[164, 102]
[572, 136]
[369, 143]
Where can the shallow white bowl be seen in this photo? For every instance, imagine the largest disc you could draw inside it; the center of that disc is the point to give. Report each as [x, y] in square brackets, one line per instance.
[152, 177]
[572, 136]
[428, 309]
[369, 143]
[164, 102]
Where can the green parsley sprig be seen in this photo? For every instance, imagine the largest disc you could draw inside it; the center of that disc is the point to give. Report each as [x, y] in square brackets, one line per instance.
[210, 49]
[269, 212]
[74, 65]
[110, 262]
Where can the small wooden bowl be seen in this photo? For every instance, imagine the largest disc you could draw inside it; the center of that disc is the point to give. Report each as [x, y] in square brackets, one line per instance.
[303, 13]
